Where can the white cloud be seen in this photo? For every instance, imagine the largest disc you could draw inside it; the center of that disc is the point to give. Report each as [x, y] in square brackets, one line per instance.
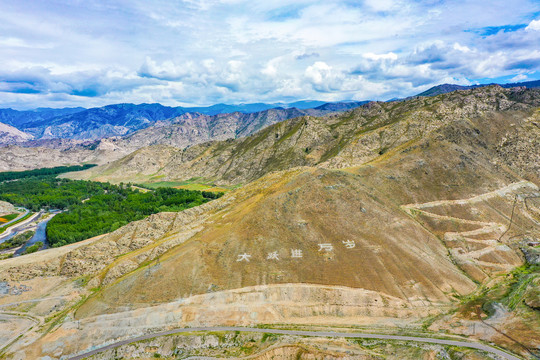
[270, 69]
[209, 51]
[519, 77]
[318, 72]
[13, 42]
[387, 56]
[380, 5]
[167, 70]
[461, 48]
[533, 25]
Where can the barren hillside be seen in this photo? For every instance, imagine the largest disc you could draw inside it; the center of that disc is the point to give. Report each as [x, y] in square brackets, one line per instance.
[395, 214]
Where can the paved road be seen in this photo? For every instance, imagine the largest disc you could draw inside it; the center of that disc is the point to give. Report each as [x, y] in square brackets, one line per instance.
[17, 218]
[467, 344]
[19, 226]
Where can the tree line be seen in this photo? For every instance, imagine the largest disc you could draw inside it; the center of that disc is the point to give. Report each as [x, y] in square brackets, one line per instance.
[93, 208]
[13, 175]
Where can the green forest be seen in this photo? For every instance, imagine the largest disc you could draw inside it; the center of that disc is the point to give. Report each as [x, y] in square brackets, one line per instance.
[93, 208]
[12, 175]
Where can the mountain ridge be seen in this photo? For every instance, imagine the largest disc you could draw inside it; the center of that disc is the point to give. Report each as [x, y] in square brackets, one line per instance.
[312, 141]
[446, 88]
[122, 119]
[10, 134]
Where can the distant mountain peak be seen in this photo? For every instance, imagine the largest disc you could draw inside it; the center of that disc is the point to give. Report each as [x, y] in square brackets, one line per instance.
[446, 88]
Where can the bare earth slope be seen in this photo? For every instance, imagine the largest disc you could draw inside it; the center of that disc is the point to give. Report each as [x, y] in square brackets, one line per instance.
[392, 254]
[384, 216]
[18, 158]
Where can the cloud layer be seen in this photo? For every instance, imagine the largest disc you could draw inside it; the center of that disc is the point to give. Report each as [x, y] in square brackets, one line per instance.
[199, 52]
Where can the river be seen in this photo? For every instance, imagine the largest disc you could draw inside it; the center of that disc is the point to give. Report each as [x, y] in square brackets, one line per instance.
[6, 238]
[40, 235]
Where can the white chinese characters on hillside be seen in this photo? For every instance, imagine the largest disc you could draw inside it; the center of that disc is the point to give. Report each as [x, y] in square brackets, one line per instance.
[242, 257]
[298, 253]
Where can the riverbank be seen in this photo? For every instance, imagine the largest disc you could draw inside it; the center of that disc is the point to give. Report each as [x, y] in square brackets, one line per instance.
[37, 224]
[39, 236]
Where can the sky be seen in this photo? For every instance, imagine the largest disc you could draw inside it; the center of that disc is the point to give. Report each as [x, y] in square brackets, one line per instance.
[202, 52]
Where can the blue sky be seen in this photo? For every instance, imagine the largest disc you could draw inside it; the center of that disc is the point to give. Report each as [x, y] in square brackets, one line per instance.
[200, 52]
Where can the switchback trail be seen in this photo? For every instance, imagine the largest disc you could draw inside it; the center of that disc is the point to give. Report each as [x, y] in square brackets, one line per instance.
[479, 244]
[466, 344]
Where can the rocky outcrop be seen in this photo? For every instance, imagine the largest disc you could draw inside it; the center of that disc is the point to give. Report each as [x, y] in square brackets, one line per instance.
[10, 135]
[6, 208]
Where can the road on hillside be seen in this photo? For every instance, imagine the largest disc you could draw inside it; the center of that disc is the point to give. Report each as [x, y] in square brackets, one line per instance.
[37, 321]
[466, 344]
[17, 218]
[20, 225]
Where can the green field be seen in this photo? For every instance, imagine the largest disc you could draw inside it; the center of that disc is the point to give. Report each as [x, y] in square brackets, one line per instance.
[203, 187]
[166, 184]
[2, 229]
[8, 218]
[193, 184]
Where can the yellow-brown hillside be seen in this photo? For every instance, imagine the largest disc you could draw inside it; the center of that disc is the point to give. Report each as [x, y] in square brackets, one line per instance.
[298, 210]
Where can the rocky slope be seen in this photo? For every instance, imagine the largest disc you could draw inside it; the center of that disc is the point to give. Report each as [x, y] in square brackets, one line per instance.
[180, 132]
[498, 125]
[10, 134]
[6, 208]
[191, 129]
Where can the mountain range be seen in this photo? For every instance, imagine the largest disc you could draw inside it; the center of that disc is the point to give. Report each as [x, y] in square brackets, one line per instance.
[446, 88]
[71, 138]
[123, 119]
[49, 137]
